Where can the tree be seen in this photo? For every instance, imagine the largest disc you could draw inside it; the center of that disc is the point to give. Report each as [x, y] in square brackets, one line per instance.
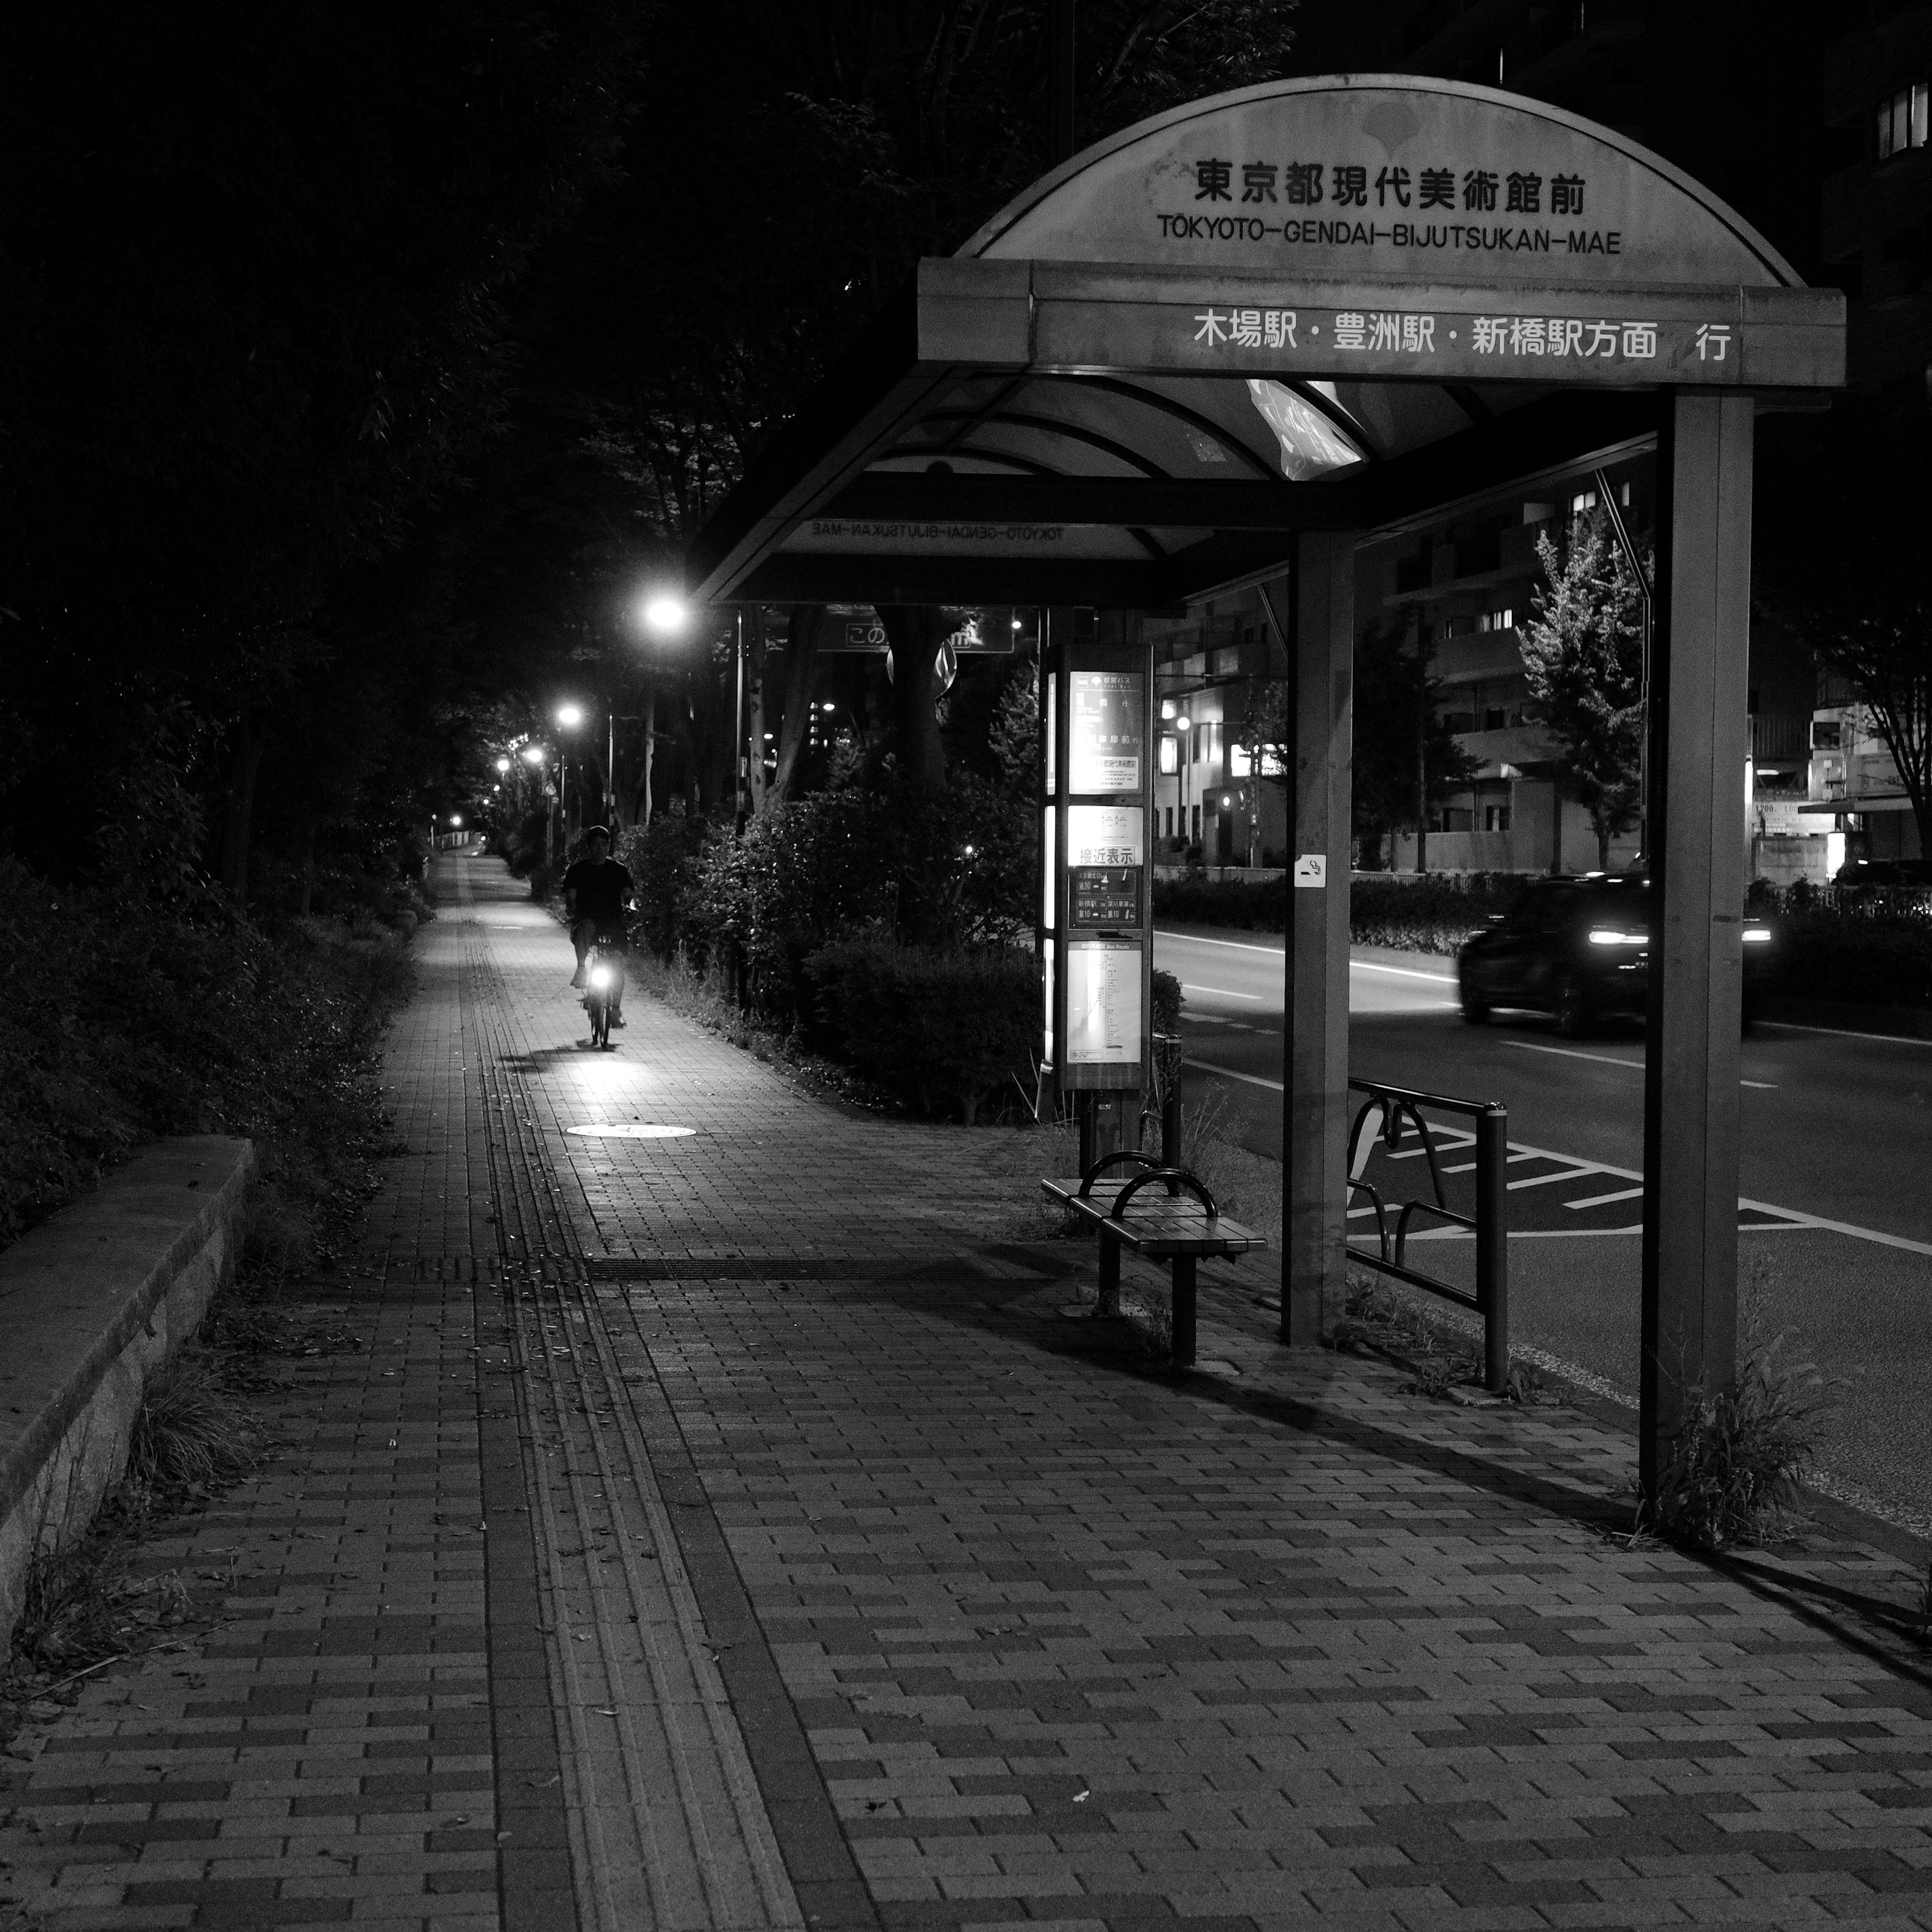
[1852, 577]
[1395, 693]
[1582, 653]
[260, 260]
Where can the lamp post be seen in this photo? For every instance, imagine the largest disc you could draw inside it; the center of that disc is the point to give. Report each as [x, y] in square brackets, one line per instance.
[1183, 727]
[569, 718]
[663, 614]
[536, 758]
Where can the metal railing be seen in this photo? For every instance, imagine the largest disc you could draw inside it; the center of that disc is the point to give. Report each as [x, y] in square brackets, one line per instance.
[1389, 1114]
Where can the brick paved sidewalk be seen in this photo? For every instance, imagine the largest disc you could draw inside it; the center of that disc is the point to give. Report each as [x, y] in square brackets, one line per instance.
[731, 1530]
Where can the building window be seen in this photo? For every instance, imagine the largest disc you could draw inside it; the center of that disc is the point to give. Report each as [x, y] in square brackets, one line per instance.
[1170, 821]
[1495, 718]
[1240, 761]
[1504, 620]
[1495, 818]
[1170, 756]
[1584, 500]
[1900, 120]
[1196, 835]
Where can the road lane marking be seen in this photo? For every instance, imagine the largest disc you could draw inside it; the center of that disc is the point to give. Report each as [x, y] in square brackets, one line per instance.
[1572, 1053]
[1608, 1060]
[1248, 946]
[1788, 1217]
[1220, 992]
[1604, 1200]
[1402, 972]
[1196, 939]
[1229, 1073]
[1845, 1033]
[1545, 1180]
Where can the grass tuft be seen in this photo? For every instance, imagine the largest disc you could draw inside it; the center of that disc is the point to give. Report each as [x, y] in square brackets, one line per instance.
[1734, 1473]
[191, 1433]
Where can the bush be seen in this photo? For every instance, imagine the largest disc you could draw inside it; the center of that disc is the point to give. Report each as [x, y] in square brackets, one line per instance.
[936, 1025]
[122, 1019]
[663, 858]
[1432, 913]
[1874, 960]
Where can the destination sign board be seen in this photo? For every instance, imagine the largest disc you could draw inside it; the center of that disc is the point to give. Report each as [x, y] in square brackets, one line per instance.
[1409, 177]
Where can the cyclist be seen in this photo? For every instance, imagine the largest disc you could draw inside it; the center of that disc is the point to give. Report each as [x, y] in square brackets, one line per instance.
[597, 890]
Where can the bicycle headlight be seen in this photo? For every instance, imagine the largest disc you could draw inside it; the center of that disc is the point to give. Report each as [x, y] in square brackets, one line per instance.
[600, 977]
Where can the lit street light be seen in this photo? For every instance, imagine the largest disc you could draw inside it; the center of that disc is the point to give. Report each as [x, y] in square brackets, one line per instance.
[503, 766]
[666, 614]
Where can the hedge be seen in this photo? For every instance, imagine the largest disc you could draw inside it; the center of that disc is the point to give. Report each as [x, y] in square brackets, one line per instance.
[1854, 947]
[1432, 913]
[1863, 961]
[934, 1026]
[122, 1019]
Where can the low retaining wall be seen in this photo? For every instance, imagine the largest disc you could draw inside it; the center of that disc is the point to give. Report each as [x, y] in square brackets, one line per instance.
[91, 1304]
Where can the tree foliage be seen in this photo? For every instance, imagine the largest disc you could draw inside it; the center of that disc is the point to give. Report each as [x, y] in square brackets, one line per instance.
[258, 262]
[1400, 737]
[1852, 577]
[1582, 655]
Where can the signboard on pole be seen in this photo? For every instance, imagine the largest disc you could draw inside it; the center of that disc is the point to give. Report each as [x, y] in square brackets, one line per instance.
[1095, 936]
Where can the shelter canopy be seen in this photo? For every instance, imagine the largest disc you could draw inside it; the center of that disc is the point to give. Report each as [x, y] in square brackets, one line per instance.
[1333, 303]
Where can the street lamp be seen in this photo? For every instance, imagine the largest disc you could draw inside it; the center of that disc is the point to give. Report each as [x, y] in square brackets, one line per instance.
[503, 766]
[1184, 726]
[568, 717]
[665, 612]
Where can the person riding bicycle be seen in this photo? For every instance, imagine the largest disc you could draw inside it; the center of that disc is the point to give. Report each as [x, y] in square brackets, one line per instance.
[597, 890]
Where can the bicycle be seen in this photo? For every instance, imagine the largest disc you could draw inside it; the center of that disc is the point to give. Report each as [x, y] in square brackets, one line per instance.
[605, 990]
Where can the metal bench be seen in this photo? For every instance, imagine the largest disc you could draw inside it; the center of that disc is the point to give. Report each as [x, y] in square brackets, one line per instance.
[1178, 1224]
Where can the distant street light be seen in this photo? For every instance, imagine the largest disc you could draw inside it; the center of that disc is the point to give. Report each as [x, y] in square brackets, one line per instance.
[570, 716]
[533, 755]
[503, 766]
[456, 818]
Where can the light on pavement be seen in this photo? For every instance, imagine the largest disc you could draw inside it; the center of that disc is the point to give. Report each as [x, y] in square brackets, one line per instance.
[631, 1130]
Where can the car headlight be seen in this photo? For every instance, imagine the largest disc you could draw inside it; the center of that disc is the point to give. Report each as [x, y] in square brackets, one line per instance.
[1608, 935]
[1757, 935]
[600, 977]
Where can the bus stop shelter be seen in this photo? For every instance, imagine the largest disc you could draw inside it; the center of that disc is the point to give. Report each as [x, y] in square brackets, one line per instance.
[1232, 343]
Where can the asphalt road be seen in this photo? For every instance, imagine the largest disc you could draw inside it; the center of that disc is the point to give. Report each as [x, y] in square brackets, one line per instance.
[1836, 1177]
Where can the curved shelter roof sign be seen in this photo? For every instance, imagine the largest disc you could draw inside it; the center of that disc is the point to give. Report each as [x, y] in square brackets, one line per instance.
[1389, 175]
[1333, 303]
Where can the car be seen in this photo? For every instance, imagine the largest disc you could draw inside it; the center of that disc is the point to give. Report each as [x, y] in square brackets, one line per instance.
[1578, 948]
[1913, 875]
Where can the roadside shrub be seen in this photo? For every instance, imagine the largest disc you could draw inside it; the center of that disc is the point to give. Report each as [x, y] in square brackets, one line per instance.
[663, 858]
[122, 1019]
[936, 1026]
[1433, 913]
[949, 870]
[1864, 959]
[1255, 908]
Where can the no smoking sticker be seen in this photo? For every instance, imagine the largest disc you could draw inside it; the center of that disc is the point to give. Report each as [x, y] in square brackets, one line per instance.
[1312, 869]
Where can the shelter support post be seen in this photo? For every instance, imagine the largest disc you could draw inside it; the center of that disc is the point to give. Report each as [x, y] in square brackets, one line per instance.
[1699, 738]
[1315, 1123]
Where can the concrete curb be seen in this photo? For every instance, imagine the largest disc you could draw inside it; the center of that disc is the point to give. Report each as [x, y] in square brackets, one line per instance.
[91, 1304]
